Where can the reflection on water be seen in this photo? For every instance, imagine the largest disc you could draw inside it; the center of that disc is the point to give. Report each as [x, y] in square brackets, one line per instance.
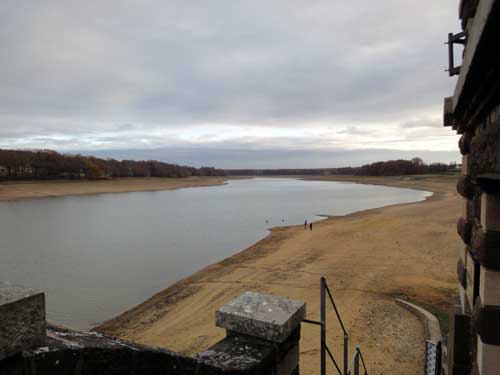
[96, 256]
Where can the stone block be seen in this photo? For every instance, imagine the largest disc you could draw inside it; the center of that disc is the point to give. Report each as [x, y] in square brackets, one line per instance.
[466, 165]
[485, 245]
[466, 187]
[22, 319]
[241, 354]
[490, 212]
[464, 230]
[473, 209]
[487, 358]
[461, 273]
[489, 288]
[261, 315]
[472, 279]
[463, 300]
[464, 143]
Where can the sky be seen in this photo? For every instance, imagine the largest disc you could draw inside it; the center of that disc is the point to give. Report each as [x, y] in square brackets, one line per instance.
[230, 83]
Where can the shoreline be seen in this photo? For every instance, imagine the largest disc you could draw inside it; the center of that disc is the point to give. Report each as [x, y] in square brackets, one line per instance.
[23, 190]
[154, 321]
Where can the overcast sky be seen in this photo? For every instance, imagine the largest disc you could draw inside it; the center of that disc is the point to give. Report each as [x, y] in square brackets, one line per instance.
[228, 83]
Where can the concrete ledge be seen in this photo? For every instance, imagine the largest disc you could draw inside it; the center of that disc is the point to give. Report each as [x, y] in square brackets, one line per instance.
[261, 315]
[81, 353]
[430, 321]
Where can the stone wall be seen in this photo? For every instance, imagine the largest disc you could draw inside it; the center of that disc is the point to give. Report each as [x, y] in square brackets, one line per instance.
[59, 351]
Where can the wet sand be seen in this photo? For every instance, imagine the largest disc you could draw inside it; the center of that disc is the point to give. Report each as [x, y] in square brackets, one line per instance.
[45, 189]
[369, 258]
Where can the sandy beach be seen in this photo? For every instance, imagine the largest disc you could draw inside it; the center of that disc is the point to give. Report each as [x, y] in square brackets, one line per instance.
[369, 258]
[57, 188]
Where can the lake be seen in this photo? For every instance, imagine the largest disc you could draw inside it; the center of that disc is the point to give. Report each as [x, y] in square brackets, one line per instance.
[97, 256]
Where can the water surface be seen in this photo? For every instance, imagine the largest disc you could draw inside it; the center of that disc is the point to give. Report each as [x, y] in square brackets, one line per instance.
[96, 256]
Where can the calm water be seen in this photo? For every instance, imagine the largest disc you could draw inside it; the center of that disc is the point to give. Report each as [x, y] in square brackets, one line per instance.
[97, 256]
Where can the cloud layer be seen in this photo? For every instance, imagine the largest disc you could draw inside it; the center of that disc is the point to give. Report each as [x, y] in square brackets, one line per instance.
[308, 75]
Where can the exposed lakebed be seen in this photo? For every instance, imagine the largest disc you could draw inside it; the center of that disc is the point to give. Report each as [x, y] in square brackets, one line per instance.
[96, 256]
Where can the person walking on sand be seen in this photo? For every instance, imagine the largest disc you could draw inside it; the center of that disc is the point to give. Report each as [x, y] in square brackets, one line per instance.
[310, 226]
[305, 224]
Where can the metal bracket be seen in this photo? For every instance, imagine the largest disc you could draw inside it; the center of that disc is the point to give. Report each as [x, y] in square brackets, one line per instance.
[460, 38]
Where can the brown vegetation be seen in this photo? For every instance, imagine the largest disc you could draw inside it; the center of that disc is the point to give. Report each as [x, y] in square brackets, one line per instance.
[46, 164]
[414, 166]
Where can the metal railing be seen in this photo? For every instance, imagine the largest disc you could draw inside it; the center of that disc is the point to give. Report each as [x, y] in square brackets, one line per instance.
[358, 356]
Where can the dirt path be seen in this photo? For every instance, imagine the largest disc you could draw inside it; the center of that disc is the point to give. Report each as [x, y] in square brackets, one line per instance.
[368, 258]
[44, 189]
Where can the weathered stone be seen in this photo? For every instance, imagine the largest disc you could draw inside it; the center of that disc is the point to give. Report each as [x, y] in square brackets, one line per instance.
[466, 188]
[80, 353]
[489, 289]
[268, 317]
[472, 279]
[244, 354]
[22, 319]
[464, 303]
[471, 209]
[464, 144]
[461, 274]
[487, 357]
[464, 229]
[485, 155]
[485, 245]
[490, 212]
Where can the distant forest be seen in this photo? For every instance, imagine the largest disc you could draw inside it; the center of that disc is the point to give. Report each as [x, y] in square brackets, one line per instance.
[47, 164]
[381, 168]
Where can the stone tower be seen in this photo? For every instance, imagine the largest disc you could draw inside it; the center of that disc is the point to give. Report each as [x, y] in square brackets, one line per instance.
[474, 112]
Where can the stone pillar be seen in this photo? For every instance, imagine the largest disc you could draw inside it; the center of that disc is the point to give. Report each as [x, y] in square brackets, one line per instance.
[270, 320]
[488, 315]
[22, 320]
[460, 339]
[466, 265]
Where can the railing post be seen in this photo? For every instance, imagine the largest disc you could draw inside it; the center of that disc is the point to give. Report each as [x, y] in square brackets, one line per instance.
[346, 353]
[356, 361]
[323, 325]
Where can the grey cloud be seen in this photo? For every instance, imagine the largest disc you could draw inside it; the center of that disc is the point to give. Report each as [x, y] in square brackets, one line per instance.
[82, 70]
[356, 131]
[241, 157]
[423, 123]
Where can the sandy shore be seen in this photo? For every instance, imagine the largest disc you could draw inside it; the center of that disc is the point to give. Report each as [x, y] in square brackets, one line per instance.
[58, 188]
[369, 258]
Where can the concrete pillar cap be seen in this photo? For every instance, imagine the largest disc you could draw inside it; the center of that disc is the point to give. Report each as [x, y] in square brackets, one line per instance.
[264, 316]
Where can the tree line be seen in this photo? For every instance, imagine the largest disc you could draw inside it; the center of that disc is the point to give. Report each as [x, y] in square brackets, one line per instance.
[400, 167]
[48, 164]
